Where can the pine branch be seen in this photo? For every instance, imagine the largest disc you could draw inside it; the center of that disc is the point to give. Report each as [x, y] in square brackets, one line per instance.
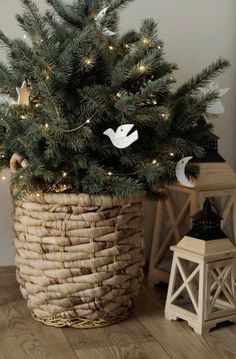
[66, 12]
[203, 78]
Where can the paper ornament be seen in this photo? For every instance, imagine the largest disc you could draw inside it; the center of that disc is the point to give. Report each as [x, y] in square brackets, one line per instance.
[18, 160]
[23, 94]
[121, 138]
[99, 18]
[180, 172]
[6, 99]
[215, 107]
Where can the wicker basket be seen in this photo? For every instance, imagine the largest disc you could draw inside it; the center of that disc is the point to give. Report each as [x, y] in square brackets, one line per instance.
[79, 258]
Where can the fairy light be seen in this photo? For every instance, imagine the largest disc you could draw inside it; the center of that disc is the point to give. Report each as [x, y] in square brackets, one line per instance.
[154, 162]
[47, 77]
[118, 94]
[23, 117]
[88, 120]
[146, 40]
[127, 46]
[64, 174]
[25, 36]
[2, 155]
[159, 47]
[21, 177]
[109, 173]
[37, 105]
[46, 125]
[4, 178]
[111, 48]
[37, 194]
[171, 154]
[142, 68]
[154, 102]
[88, 61]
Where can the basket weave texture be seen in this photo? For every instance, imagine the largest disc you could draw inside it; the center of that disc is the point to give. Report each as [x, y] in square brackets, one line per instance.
[79, 258]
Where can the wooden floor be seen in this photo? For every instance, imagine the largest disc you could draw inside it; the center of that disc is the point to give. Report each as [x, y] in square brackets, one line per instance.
[146, 335]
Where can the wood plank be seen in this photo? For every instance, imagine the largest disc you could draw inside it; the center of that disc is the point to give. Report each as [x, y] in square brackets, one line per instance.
[177, 338]
[134, 351]
[125, 333]
[20, 336]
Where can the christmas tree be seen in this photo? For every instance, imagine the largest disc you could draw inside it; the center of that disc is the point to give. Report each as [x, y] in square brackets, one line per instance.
[77, 82]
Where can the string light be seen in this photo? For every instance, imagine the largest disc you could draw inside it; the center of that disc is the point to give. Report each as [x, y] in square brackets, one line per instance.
[64, 174]
[159, 47]
[21, 177]
[142, 68]
[165, 116]
[172, 154]
[37, 105]
[47, 77]
[154, 102]
[46, 125]
[37, 194]
[2, 155]
[118, 94]
[145, 40]
[127, 46]
[109, 173]
[88, 120]
[23, 117]
[154, 162]
[111, 48]
[25, 36]
[4, 178]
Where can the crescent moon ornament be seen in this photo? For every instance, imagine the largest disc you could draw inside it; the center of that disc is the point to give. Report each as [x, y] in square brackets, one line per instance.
[180, 172]
[99, 18]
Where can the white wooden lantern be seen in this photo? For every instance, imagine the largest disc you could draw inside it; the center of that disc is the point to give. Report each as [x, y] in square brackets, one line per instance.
[217, 181]
[202, 279]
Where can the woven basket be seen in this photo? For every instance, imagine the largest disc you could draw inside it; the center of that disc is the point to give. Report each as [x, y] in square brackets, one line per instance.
[79, 258]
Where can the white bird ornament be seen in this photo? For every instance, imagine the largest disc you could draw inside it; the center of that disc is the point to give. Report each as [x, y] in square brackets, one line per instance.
[121, 138]
[215, 107]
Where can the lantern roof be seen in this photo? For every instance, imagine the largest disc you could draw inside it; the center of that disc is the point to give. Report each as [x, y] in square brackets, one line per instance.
[207, 224]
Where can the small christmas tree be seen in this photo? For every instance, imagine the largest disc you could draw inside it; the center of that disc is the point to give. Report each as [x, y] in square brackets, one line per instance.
[81, 82]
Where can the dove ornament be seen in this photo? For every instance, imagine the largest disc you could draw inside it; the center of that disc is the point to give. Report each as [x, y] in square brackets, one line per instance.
[215, 107]
[121, 138]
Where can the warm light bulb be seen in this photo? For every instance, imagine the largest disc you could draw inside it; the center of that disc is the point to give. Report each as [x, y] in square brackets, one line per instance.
[37, 194]
[109, 173]
[111, 48]
[118, 94]
[37, 105]
[4, 178]
[172, 154]
[154, 102]
[127, 46]
[142, 68]
[88, 120]
[25, 36]
[88, 61]
[21, 177]
[46, 125]
[159, 47]
[154, 162]
[64, 174]
[23, 117]
[47, 77]
[2, 155]
[145, 40]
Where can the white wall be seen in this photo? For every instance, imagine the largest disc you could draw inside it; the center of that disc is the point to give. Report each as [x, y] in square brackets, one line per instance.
[195, 34]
